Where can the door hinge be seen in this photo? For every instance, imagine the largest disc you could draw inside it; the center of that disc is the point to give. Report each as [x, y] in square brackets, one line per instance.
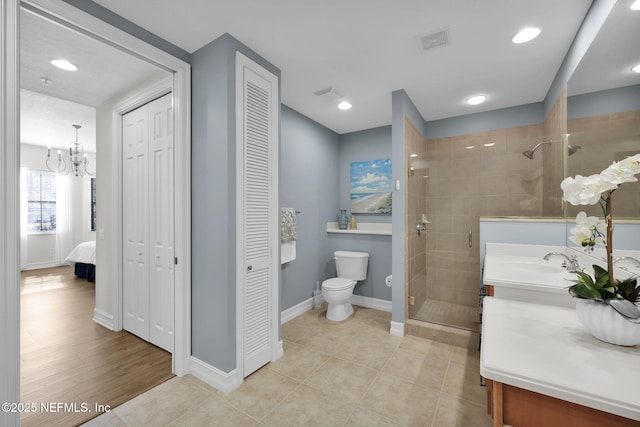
[175, 260]
[411, 300]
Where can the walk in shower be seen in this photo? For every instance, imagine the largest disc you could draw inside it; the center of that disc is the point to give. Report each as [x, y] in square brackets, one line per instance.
[451, 183]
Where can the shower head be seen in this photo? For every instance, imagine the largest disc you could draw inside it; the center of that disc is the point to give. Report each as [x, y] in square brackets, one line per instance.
[529, 153]
[573, 148]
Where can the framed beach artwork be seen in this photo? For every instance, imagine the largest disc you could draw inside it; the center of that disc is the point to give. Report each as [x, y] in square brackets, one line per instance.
[371, 186]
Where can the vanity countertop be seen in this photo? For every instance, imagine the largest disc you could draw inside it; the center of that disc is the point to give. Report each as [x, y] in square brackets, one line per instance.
[545, 349]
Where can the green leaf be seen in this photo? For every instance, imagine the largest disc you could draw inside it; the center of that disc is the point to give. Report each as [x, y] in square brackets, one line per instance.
[584, 290]
[628, 289]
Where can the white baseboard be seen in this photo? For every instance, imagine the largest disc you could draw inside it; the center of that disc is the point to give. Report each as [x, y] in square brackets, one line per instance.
[375, 303]
[40, 265]
[279, 351]
[296, 310]
[103, 318]
[223, 381]
[397, 329]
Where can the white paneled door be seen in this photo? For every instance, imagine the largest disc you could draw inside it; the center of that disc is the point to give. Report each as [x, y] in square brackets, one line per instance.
[257, 116]
[148, 222]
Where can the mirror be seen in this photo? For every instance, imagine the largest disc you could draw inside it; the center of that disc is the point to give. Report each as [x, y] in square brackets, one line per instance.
[603, 110]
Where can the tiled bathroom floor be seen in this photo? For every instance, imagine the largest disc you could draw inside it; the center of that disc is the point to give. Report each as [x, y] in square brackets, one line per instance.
[346, 374]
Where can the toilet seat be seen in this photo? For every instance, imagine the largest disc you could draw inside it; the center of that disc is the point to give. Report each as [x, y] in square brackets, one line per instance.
[337, 284]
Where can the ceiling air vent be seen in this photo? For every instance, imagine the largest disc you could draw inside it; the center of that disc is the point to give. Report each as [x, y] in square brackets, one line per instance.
[433, 39]
[328, 91]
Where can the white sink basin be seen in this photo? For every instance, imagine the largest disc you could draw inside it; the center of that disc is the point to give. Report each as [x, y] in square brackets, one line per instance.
[533, 267]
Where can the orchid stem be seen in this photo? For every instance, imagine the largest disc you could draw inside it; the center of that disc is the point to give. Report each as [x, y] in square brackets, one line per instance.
[609, 243]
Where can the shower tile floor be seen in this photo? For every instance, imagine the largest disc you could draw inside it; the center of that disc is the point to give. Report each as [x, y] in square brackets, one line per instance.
[352, 373]
[450, 314]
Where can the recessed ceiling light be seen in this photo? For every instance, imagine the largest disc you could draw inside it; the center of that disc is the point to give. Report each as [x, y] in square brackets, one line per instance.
[526, 34]
[469, 147]
[64, 64]
[635, 5]
[413, 155]
[344, 105]
[489, 144]
[477, 99]
[636, 68]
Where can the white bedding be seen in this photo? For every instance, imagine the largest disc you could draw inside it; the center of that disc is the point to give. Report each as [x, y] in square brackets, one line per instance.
[85, 253]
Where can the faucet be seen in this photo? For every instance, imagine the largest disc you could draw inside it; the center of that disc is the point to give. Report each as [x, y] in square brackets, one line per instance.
[633, 261]
[570, 262]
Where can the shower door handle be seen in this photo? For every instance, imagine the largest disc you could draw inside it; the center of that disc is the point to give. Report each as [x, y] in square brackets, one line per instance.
[470, 238]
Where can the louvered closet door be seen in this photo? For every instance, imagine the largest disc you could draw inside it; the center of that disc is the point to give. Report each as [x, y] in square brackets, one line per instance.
[135, 292]
[257, 215]
[161, 197]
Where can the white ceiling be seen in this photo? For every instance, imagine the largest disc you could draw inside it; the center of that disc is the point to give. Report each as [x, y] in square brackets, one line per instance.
[364, 49]
[48, 111]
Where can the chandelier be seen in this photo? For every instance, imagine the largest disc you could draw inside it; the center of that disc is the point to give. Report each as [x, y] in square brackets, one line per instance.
[76, 162]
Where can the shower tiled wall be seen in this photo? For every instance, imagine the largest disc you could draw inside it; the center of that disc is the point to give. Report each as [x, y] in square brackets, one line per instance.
[454, 181]
[604, 139]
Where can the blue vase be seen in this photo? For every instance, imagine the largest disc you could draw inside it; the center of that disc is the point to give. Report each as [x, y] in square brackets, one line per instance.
[343, 219]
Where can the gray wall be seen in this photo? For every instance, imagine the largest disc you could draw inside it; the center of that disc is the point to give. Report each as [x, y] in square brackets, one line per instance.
[604, 102]
[309, 177]
[314, 179]
[213, 284]
[593, 21]
[521, 115]
[369, 144]
[401, 106]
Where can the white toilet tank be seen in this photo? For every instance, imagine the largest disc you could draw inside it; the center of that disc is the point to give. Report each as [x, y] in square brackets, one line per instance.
[351, 265]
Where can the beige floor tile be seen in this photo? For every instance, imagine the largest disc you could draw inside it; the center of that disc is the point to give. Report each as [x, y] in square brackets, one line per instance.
[342, 379]
[403, 402]
[424, 369]
[371, 352]
[108, 419]
[214, 412]
[299, 361]
[364, 418]
[464, 382]
[375, 379]
[261, 392]
[426, 346]
[163, 404]
[309, 407]
[293, 331]
[325, 339]
[454, 412]
[466, 357]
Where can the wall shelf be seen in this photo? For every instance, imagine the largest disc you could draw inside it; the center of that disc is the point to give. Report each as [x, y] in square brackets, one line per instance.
[376, 228]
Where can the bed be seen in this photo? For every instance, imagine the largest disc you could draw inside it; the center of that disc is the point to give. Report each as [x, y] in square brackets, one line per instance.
[83, 259]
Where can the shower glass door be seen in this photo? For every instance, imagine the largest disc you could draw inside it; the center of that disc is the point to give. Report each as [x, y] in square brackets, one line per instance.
[451, 183]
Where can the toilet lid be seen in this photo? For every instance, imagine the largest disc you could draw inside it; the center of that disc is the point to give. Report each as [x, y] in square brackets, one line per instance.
[337, 284]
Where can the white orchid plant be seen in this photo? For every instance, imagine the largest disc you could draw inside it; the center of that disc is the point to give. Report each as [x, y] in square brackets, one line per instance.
[591, 230]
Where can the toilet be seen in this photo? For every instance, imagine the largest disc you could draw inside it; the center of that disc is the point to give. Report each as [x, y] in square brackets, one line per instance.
[351, 268]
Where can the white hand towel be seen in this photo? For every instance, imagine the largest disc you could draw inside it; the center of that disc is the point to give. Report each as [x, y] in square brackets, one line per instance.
[287, 251]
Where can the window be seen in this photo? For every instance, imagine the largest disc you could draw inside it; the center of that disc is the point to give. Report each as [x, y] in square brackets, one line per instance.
[41, 202]
[93, 204]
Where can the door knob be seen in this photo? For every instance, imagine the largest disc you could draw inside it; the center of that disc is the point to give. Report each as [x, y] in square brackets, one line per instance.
[250, 268]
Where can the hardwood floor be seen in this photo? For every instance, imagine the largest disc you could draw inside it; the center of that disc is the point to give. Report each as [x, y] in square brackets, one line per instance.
[66, 358]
